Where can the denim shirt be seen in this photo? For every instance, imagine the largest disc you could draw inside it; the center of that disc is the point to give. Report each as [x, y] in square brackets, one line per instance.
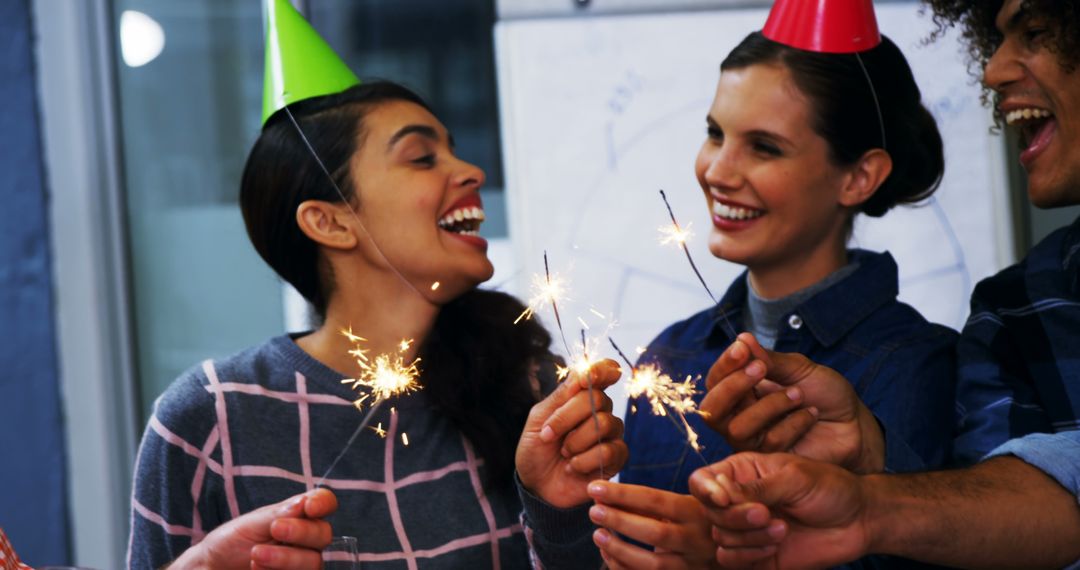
[901, 366]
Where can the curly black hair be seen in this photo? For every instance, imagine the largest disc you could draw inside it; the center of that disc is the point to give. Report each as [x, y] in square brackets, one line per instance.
[975, 19]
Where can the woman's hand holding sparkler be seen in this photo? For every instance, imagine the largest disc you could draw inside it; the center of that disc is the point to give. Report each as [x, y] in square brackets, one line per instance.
[675, 525]
[768, 401]
[560, 451]
[287, 535]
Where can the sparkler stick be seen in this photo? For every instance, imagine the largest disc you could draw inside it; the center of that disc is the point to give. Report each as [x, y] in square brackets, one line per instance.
[664, 394]
[592, 400]
[363, 424]
[682, 244]
[387, 376]
[679, 236]
[555, 307]
[549, 290]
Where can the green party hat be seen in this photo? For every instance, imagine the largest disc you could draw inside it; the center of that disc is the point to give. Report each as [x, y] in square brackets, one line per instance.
[299, 63]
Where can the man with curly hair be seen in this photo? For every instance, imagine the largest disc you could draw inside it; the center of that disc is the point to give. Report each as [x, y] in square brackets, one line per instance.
[1018, 396]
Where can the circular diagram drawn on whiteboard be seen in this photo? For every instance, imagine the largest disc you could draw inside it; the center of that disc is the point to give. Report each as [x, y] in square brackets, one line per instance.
[649, 285]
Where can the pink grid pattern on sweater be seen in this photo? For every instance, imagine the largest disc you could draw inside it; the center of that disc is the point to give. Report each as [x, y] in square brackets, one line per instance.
[219, 436]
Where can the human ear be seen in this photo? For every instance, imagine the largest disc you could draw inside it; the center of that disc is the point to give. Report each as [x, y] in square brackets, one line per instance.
[865, 177]
[326, 224]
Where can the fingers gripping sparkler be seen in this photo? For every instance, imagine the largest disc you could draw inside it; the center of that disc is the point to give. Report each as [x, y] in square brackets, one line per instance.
[676, 234]
[548, 289]
[663, 394]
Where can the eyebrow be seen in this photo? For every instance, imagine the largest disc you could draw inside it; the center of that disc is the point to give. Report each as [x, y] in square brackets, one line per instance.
[1020, 16]
[756, 133]
[422, 130]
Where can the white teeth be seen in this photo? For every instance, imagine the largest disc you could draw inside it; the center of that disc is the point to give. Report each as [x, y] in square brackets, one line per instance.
[733, 213]
[1026, 114]
[461, 215]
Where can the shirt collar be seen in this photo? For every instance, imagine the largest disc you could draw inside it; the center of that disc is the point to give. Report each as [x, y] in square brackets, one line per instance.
[833, 313]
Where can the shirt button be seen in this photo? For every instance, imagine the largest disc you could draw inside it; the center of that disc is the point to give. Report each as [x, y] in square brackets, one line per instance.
[795, 322]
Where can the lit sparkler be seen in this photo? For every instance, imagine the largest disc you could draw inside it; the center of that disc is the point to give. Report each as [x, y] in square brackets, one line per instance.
[676, 234]
[546, 289]
[582, 363]
[386, 376]
[663, 394]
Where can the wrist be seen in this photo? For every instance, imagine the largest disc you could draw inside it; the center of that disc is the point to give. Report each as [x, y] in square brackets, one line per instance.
[892, 516]
[871, 444]
[193, 558]
[875, 517]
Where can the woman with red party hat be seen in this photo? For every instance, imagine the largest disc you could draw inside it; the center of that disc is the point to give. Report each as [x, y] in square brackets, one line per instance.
[816, 119]
[353, 194]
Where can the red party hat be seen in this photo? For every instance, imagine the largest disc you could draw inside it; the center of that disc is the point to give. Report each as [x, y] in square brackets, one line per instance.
[825, 26]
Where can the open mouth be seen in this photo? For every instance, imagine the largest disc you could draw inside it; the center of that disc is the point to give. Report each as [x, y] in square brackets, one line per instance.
[463, 220]
[735, 213]
[1035, 126]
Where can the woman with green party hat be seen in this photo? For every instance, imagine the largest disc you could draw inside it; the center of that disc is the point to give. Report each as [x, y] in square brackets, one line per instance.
[353, 194]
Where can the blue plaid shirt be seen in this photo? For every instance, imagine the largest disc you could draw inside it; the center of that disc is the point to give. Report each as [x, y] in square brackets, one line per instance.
[902, 367]
[1019, 354]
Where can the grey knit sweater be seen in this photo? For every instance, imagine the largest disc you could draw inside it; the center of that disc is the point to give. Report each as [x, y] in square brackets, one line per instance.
[230, 436]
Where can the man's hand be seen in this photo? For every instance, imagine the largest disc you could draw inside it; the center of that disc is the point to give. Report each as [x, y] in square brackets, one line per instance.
[674, 524]
[560, 450]
[768, 401]
[286, 535]
[783, 511]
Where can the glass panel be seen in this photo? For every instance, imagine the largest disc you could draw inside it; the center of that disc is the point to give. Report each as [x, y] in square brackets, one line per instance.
[190, 76]
[444, 51]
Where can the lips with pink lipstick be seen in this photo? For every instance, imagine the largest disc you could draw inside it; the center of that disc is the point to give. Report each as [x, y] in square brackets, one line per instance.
[729, 215]
[463, 219]
[1036, 127]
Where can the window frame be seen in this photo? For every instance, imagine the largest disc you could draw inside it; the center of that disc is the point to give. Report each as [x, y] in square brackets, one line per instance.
[77, 97]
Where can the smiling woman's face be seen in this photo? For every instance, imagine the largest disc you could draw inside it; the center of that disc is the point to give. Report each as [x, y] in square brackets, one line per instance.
[772, 190]
[419, 201]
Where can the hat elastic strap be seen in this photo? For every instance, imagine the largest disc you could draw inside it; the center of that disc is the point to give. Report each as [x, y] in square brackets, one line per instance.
[877, 104]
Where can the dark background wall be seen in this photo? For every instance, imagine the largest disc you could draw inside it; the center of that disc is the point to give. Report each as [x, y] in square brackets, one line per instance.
[33, 488]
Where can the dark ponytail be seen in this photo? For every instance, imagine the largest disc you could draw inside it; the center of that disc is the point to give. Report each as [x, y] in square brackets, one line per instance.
[476, 363]
[845, 114]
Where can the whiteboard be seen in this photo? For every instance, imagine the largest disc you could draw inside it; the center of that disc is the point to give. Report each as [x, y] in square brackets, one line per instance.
[599, 113]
